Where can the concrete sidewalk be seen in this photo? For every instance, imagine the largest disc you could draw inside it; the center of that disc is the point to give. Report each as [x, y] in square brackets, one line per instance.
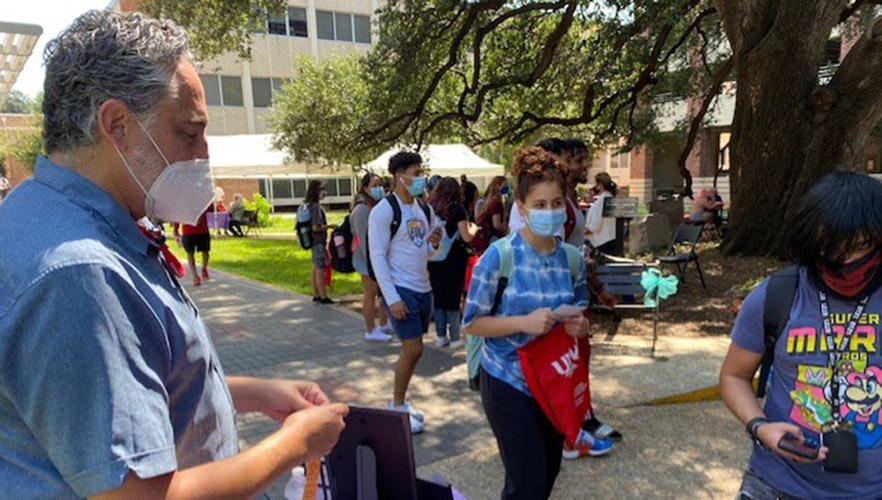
[669, 452]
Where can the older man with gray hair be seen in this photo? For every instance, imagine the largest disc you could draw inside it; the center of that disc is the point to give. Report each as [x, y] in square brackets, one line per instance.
[110, 386]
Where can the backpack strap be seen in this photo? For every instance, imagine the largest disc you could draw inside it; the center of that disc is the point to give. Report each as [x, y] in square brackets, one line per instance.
[506, 265]
[574, 260]
[780, 293]
[570, 223]
[426, 210]
[396, 215]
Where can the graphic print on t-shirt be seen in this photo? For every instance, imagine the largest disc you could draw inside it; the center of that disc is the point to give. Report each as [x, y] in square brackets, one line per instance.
[416, 232]
[859, 390]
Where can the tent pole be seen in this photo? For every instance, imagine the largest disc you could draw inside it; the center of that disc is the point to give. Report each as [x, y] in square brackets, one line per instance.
[272, 195]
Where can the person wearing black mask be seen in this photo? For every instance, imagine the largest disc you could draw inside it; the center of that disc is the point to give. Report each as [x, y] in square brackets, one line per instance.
[819, 433]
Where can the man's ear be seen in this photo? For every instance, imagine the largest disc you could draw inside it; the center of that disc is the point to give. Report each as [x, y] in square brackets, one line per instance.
[115, 124]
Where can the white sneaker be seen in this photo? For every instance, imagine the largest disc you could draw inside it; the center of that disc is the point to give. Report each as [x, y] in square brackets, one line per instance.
[442, 342]
[416, 427]
[456, 344]
[406, 408]
[377, 336]
[387, 329]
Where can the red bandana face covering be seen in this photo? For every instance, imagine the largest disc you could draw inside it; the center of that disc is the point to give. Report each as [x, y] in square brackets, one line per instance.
[854, 277]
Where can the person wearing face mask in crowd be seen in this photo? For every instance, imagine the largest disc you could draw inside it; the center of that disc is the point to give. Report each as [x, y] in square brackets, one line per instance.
[113, 389]
[402, 233]
[824, 391]
[601, 231]
[368, 196]
[540, 281]
[315, 194]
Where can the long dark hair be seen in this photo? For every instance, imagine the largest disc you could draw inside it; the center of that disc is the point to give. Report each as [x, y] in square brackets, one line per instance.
[606, 181]
[313, 192]
[447, 193]
[363, 191]
[837, 217]
[493, 191]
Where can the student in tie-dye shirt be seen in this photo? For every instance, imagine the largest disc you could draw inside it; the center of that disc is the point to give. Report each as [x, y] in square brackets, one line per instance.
[540, 281]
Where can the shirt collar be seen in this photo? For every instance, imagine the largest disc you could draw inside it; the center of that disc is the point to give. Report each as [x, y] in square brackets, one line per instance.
[96, 201]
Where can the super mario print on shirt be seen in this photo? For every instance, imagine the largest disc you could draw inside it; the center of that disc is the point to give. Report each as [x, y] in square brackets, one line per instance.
[800, 385]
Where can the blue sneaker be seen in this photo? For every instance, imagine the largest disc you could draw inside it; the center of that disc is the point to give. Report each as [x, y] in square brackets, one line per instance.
[586, 444]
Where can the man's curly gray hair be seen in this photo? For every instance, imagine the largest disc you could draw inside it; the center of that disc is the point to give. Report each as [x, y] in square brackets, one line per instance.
[107, 55]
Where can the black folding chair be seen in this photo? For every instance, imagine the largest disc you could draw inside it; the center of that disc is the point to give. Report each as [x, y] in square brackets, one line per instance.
[688, 236]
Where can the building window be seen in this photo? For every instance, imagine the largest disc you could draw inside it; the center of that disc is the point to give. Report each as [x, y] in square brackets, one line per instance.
[282, 188]
[725, 148]
[619, 159]
[262, 91]
[212, 89]
[362, 29]
[276, 24]
[297, 22]
[344, 187]
[231, 90]
[343, 27]
[832, 50]
[299, 188]
[324, 24]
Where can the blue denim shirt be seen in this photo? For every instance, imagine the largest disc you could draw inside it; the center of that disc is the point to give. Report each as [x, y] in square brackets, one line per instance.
[106, 366]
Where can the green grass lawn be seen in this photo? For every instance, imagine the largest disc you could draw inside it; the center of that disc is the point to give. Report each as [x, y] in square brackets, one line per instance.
[276, 262]
[279, 224]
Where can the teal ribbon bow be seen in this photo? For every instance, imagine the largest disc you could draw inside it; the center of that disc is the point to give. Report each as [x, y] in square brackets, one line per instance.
[657, 287]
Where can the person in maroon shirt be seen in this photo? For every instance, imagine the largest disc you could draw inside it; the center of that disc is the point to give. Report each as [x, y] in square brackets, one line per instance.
[196, 239]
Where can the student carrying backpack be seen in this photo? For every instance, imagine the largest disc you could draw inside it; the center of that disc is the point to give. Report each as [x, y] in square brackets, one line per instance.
[341, 248]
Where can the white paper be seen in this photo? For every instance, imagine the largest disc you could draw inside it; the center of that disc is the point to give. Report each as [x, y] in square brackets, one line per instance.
[564, 311]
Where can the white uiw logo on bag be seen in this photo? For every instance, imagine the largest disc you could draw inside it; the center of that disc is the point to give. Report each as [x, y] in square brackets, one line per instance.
[566, 365]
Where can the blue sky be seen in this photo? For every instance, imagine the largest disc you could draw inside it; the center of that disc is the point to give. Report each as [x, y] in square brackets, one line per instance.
[53, 16]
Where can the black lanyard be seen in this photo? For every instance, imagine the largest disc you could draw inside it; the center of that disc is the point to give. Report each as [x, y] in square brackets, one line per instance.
[834, 352]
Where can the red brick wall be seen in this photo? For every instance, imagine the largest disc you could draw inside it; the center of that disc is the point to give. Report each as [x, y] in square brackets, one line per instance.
[641, 162]
[245, 187]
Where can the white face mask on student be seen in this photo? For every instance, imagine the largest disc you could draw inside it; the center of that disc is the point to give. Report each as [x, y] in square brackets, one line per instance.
[182, 191]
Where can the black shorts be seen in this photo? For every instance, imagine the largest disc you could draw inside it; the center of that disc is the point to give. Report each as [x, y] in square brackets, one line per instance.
[196, 242]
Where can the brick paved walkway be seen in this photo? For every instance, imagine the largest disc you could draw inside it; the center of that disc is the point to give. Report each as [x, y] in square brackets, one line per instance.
[267, 332]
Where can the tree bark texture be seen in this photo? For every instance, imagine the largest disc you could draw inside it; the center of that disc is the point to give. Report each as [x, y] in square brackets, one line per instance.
[788, 131]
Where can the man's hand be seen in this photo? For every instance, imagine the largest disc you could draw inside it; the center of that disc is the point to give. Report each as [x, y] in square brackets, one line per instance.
[398, 310]
[281, 398]
[577, 326]
[772, 432]
[318, 427]
[538, 322]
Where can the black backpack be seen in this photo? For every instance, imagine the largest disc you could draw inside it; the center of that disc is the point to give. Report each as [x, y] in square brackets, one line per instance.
[341, 248]
[393, 227]
[780, 293]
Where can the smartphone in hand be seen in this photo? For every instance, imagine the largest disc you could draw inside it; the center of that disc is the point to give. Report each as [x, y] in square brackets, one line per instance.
[791, 444]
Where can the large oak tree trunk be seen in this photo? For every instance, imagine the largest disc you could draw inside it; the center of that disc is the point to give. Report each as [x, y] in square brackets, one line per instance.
[788, 132]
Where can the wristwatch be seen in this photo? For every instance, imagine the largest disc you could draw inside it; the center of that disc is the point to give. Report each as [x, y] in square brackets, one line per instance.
[752, 427]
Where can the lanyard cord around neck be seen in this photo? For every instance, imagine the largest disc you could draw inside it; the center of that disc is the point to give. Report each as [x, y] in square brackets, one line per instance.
[834, 352]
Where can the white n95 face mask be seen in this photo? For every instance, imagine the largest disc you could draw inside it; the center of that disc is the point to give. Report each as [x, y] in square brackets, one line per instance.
[182, 191]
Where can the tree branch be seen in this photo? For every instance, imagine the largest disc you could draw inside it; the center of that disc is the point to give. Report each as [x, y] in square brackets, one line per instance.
[695, 124]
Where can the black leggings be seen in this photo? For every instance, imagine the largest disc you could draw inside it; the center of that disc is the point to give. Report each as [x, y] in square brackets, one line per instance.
[529, 445]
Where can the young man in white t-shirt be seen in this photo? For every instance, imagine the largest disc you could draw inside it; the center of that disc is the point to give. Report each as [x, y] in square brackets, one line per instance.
[400, 264]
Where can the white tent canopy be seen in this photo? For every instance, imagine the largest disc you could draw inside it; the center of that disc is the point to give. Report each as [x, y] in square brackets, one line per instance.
[253, 155]
[446, 160]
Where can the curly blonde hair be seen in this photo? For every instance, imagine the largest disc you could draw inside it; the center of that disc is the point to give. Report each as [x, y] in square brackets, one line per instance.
[533, 165]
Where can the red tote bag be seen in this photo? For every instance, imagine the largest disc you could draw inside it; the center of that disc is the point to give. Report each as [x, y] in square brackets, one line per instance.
[554, 367]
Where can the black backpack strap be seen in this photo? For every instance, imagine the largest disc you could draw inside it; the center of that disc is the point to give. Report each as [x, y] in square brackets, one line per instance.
[426, 210]
[780, 293]
[396, 215]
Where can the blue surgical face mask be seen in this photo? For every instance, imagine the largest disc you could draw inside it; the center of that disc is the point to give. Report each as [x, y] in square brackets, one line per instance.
[417, 185]
[377, 193]
[504, 190]
[546, 223]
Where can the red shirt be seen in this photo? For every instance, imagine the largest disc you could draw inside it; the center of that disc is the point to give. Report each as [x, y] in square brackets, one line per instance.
[201, 226]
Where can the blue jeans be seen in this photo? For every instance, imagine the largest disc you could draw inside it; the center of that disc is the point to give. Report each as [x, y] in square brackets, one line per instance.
[445, 320]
